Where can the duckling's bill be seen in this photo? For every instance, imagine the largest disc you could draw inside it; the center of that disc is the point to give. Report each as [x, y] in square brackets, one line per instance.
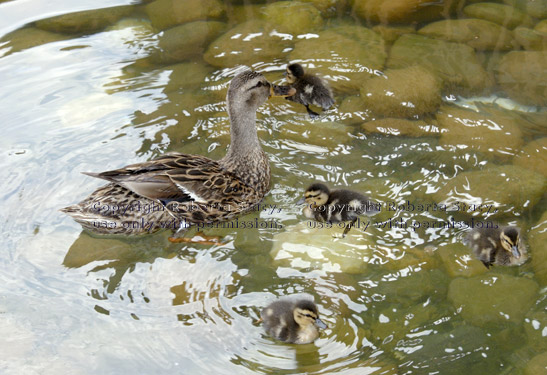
[320, 324]
[515, 251]
[282, 91]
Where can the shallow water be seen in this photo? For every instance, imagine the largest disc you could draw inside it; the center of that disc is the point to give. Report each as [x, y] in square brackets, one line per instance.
[400, 296]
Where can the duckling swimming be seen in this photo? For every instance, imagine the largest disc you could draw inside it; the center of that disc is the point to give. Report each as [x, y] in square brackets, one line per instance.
[334, 206]
[502, 246]
[310, 89]
[292, 320]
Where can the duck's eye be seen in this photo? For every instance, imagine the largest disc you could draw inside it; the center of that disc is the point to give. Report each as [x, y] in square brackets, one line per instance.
[259, 84]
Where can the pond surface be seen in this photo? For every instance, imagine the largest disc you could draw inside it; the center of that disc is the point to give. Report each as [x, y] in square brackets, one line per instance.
[444, 124]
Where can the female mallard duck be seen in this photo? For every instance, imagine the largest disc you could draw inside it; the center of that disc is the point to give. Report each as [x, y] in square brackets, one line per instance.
[292, 320]
[501, 246]
[177, 190]
[334, 206]
[310, 89]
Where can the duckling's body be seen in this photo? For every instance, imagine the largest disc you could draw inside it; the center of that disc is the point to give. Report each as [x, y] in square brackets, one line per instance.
[334, 206]
[176, 189]
[501, 246]
[310, 89]
[292, 320]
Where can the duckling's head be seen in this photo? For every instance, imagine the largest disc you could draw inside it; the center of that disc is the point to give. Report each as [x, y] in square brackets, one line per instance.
[249, 90]
[305, 314]
[294, 71]
[509, 238]
[316, 195]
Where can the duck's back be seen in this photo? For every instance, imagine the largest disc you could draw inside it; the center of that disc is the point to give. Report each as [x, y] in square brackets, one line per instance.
[485, 244]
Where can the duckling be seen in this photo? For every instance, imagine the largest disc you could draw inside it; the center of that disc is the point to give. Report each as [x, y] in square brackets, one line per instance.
[502, 246]
[334, 206]
[310, 89]
[177, 190]
[292, 320]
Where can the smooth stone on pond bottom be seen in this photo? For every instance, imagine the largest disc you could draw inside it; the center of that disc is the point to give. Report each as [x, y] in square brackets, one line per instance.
[405, 92]
[166, 13]
[531, 39]
[541, 26]
[534, 8]
[533, 156]
[494, 132]
[352, 110]
[492, 298]
[392, 32]
[501, 14]
[186, 75]
[508, 188]
[398, 126]
[455, 64]
[329, 8]
[537, 365]
[307, 246]
[523, 76]
[186, 41]
[28, 37]
[402, 11]
[458, 260]
[251, 41]
[325, 133]
[346, 55]
[479, 34]
[87, 21]
[535, 326]
[293, 17]
[537, 240]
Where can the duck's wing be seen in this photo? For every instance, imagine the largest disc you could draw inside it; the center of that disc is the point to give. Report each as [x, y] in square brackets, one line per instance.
[179, 177]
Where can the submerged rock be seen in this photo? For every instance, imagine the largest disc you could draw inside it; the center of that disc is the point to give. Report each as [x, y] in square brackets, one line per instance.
[402, 11]
[186, 75]
[537, 238]
[531, 39]
[455, 64]
[28, 37]
[248, 42]
[307, 245]
[397, 126]
[523, 76]
[510, 189]
[87, 21]
[534, 8]
[458, 260]
[405, 92]
[328, 8]
[493, 133]
[166, 13]
[533, 156]
[492, 299]
[391, 33]
[476, 33]
[293, 17]
[186, 41]
[346, 55]
[501, 14]
[536, 365]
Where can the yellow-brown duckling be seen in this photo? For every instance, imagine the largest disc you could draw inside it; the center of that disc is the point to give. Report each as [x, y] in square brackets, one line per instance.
[292, 320]
[334, 206]
[501, 246]
[310, 89]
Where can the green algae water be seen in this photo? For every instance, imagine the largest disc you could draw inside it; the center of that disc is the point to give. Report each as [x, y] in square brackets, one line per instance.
[439, 117]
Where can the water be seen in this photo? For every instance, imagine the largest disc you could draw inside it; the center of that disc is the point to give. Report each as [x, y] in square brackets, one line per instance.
[392, 296]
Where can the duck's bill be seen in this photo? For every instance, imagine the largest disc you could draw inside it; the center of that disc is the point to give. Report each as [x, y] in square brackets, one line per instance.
[515, 251]
[281, 91]
[319, 323]
[301, 200]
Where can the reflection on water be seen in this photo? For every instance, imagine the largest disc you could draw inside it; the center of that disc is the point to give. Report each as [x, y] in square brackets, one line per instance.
[457, 141]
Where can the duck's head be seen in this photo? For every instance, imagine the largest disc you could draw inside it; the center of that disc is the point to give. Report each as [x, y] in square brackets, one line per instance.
[305, 314]
[249, 90]
[509, 238]
[294, 71]
[316, 195]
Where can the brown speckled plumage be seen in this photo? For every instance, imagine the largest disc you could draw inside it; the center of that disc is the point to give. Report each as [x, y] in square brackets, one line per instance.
[500, 246]
[183, 189]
